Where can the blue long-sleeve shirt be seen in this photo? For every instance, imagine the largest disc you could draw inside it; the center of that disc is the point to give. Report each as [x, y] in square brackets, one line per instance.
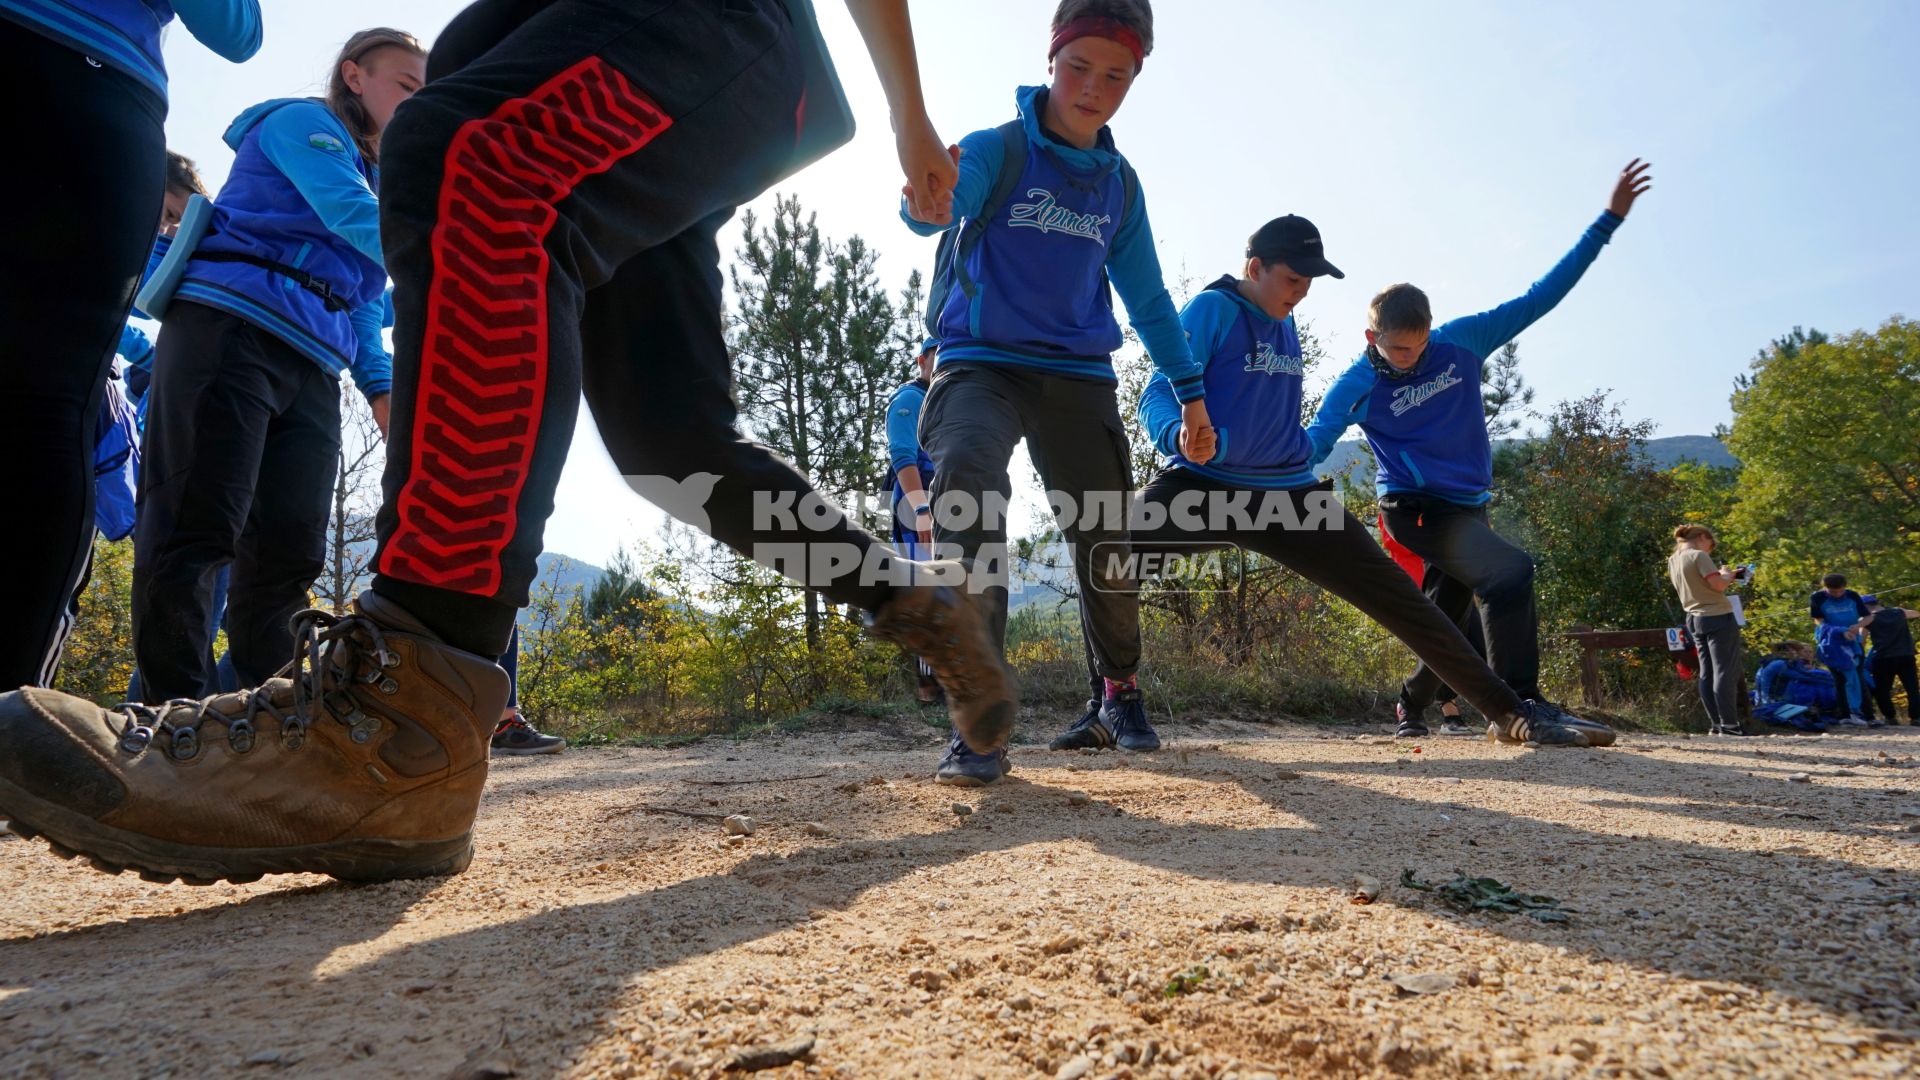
[903, 429]
[1071, 315]
[1427, 426]
[125, 34]
[1252, 367]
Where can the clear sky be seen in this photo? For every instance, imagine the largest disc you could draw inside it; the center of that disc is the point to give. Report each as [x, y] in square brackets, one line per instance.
[1460, 146]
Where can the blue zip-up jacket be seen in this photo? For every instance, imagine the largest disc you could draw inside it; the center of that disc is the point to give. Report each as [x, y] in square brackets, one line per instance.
[1253, 370]
[125, 34]
[1838, 651]
[1428, 427]
[300, 194]
[1044, 264]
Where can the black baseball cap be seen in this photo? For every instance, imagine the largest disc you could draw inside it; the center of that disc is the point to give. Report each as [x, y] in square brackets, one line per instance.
[1292, 240]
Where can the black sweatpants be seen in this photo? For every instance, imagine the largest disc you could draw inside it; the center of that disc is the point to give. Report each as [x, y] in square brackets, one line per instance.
[241, 451]
[550, 204]
[974, 415]
[1476, 637]
[1182, 512]
[1466, 560]
[1884, 670]
[72, 250]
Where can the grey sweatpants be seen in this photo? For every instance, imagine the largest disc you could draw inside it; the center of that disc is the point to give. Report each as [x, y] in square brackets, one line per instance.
[973, 417]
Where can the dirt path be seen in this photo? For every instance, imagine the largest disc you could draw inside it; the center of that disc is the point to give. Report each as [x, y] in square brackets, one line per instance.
[1727, 918]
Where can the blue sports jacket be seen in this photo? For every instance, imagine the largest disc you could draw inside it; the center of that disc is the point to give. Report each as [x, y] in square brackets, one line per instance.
[1045, 261]
[1428, 427]
[1253, 379]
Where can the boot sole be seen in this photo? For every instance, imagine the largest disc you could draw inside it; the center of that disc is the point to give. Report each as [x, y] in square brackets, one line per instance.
[965, 781]
[113, 851]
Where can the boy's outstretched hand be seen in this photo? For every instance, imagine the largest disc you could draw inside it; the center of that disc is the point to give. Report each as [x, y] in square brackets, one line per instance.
[1632, 184]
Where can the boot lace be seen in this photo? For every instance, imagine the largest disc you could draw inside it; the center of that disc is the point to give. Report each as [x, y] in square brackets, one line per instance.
[332, 654]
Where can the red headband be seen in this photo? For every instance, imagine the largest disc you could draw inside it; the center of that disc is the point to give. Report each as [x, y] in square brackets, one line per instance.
[1100, 26]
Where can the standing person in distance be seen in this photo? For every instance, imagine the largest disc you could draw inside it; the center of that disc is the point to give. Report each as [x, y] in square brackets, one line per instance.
[1891, 632]
[1702, 585]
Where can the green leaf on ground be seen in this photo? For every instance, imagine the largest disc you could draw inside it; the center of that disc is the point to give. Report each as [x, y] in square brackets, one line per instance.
[1469, 894]
[1186, 982]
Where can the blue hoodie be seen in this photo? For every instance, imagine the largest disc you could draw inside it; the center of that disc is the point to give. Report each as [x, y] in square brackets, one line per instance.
[1253, 382]
[300, 194]
[1428, 427]
[1045, 261]
[125, 34]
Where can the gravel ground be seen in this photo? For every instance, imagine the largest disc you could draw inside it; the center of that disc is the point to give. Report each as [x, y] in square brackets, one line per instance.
[1733, 908]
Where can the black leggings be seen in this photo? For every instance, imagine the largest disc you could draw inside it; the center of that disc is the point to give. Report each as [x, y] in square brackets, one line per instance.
[1322, 542]
[550, 204]
[72, 252]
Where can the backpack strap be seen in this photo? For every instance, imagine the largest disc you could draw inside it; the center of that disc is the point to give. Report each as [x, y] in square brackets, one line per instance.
[1129, 190]
[950, 255]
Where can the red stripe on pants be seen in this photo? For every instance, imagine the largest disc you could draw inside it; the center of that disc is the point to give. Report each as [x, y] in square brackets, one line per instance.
[483, 363]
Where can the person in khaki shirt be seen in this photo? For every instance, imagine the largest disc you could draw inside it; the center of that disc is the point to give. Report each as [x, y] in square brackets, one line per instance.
[1702, 585]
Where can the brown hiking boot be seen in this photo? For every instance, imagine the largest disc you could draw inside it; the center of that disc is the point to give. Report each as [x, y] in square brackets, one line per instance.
[942, 625]
[364, 760]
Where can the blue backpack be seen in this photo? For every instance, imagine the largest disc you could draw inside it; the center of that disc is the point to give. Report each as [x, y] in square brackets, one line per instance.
[950, 257]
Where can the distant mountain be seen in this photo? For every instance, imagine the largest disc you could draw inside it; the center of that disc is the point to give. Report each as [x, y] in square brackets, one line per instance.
[1665, 452]
[1704, 449]
[579, 574]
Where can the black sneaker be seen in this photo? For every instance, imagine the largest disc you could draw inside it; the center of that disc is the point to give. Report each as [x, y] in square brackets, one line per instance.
[1411, 723]
[1089, 732]
[961, 767]
[1125, 714]
[514, 737]
[1547, 724]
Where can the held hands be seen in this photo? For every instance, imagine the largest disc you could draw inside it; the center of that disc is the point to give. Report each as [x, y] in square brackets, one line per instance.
[932, 168]
[382, 408]
[1633, 183]
[1197, 437]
